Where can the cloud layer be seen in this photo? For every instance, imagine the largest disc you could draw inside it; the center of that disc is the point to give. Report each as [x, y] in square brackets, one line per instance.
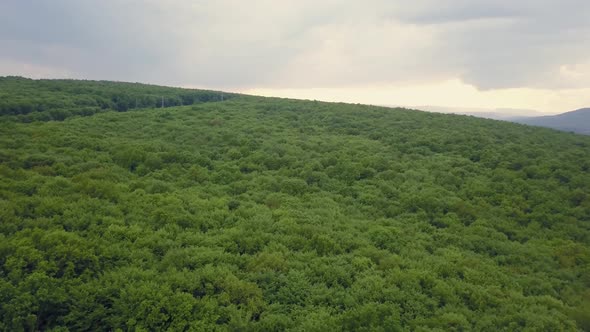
[494, 44]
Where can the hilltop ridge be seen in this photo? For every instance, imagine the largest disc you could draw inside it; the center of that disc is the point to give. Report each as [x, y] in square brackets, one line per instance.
[577, 121]
[28, 100]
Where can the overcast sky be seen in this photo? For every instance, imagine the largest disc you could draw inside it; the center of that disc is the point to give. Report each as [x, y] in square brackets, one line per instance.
[526, 54]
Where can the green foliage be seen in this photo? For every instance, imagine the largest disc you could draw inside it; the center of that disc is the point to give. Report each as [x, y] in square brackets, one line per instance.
[27, 100]
[273, 214]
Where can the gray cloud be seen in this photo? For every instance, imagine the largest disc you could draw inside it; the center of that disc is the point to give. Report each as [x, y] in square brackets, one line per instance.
[302, 44]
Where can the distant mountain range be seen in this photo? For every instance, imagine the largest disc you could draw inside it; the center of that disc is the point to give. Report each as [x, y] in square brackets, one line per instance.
[577, 121]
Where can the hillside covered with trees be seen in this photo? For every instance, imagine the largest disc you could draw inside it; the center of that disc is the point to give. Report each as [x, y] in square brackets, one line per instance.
[265, 214]
[28, 100]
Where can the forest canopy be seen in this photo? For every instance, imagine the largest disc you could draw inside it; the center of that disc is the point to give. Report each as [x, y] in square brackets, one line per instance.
[272, 214]
[28, 100]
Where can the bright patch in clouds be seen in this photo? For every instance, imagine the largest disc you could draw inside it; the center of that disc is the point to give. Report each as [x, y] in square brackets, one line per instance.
[451, 93]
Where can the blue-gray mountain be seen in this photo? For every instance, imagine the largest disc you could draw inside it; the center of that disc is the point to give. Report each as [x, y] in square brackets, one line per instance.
[577, 121]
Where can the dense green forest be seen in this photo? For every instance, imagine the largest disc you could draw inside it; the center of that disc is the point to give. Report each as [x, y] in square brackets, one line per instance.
[27, 100]
[265, 214]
